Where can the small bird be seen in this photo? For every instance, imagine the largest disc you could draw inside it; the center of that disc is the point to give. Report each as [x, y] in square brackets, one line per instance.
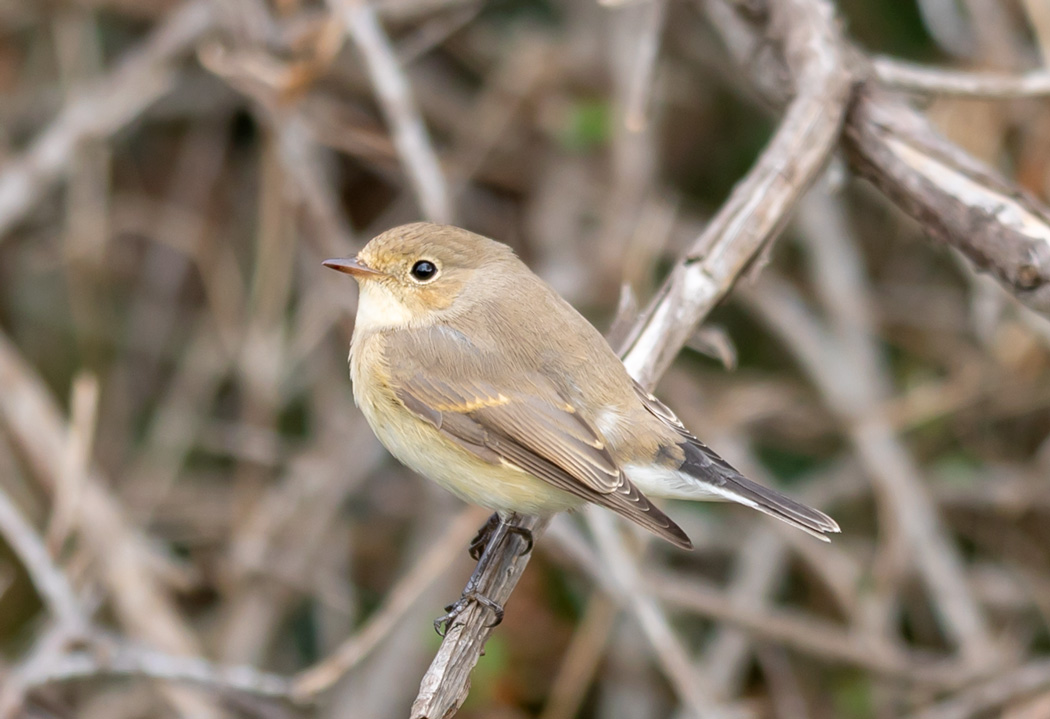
[475, 373]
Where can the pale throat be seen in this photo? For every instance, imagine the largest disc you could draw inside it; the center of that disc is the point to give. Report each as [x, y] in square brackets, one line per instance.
[380, 309]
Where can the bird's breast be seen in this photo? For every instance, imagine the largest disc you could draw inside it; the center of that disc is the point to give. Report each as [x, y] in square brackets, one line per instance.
[370, 375]
[421, 447]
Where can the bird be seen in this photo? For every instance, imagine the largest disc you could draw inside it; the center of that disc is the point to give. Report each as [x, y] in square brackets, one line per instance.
[475, 373]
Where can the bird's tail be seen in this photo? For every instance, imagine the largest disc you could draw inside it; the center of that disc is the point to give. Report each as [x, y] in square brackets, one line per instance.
[722, 479]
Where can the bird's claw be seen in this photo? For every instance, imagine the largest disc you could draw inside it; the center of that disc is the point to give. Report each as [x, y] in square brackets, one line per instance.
[444, 623]
[481, 539]
[525, 534]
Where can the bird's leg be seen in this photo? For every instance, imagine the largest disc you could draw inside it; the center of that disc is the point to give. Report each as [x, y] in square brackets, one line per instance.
[481, 539]
[492, 534]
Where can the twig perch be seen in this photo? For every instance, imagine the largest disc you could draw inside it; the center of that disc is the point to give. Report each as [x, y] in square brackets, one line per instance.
[445, 685]
[119, 660]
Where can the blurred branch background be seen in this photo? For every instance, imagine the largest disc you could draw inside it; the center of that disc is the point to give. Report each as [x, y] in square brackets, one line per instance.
[195, 520]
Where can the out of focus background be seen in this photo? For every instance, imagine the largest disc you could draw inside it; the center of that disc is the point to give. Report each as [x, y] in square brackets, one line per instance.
[176, 420]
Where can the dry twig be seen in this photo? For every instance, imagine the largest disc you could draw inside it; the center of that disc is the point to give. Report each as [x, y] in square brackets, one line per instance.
[957, 199]
[761, 202]
[48, 579]
[108, 659]
[140, 78]
[910, 77]
[986, 696]
[395, 96]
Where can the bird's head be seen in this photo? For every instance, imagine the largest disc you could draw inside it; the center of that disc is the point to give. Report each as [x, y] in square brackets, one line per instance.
[411, 274]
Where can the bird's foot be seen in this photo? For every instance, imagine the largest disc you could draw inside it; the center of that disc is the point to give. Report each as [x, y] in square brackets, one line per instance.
[444, 623]
[481, 539]
[525, 534]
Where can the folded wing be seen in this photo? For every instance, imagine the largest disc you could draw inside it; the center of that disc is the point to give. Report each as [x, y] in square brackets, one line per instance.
[704, 465]
[531, 428]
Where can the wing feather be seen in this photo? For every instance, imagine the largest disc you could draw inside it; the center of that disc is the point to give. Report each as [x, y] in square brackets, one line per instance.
[532, 428]
[703, 464]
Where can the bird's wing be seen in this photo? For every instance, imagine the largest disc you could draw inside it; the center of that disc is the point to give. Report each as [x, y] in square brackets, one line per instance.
[703, 464]
[529, 426]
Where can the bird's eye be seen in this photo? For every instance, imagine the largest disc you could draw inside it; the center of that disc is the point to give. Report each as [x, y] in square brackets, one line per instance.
[424, 270]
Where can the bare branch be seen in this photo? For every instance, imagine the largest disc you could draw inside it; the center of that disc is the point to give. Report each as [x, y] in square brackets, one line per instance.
[143, 75]
[955, 198]
[445, 685]
[816, 637]
[759, 205]
[901, 75]
[123, 660]
[981, 699]
[395, 96]
[48, 579]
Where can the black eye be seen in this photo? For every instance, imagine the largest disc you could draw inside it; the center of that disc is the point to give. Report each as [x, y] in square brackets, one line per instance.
[424, 270]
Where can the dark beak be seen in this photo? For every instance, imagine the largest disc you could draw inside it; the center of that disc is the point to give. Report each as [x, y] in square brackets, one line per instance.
[351, 267]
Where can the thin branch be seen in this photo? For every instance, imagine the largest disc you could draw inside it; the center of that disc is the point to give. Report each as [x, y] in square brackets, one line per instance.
[142, 76]
[395, 96]
[123, 660]
[582, 658]
[759, 205]
[901, 75]
[50, 582]
[624, 574]
[446, 683]
[48, 647]
[957, 199]
[77, 461]
[981, 699]
[399, 600]
[643, 65]
[814, 636]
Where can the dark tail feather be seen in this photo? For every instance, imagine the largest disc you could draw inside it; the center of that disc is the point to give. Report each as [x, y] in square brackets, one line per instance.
[706, 466]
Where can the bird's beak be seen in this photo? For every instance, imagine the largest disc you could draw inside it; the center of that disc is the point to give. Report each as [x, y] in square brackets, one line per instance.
[352, 267]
